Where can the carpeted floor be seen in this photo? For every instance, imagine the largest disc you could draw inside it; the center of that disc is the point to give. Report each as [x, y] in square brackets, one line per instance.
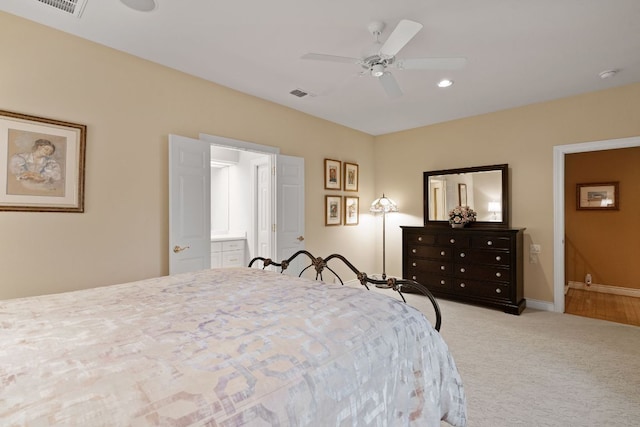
[542, 368]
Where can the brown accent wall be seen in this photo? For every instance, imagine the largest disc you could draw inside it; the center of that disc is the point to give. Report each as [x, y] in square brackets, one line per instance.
[605, 244]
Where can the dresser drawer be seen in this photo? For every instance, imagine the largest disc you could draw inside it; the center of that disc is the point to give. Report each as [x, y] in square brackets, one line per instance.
[420, 238]
[433, 282]
[478, 256]
[434, 252]
[453, 239]
[416, 266]
[481, 272]
[478, 288]
[490, 242]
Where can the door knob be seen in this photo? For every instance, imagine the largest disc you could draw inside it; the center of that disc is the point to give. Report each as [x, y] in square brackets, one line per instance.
[177, 249]
[300, 238]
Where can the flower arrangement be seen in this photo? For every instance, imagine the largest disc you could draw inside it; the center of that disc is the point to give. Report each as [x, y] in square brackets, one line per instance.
[462, 215]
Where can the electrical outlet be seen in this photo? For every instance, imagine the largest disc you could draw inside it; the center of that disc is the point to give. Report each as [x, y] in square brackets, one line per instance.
[534, 249]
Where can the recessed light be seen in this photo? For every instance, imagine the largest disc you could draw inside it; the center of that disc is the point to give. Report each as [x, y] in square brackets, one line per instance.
[608, 73]
[140, 5]
[445, 83]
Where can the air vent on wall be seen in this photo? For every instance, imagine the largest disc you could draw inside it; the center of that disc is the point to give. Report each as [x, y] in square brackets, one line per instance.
[72, 7]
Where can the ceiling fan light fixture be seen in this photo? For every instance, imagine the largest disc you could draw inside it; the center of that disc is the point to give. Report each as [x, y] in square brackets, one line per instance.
[140, 5]
[445, 83]
[377, 70]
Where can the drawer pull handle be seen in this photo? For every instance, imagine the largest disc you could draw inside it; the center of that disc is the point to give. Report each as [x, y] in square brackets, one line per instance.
[442, 282]
[498, 274]
[489, 243]
[413, 264]
[452, 240]
[462, 255]
[420, 239]
[462, 285]
[413, 251]
[442, 253]
[498, 258]
[414, 277]
[498, 291]
[442, 267]
[462, 270]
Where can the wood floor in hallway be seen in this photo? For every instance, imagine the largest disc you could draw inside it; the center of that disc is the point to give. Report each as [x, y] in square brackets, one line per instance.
[598, 305]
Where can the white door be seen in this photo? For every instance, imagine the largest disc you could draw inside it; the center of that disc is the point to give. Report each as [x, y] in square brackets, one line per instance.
[189, 204]
[264, 212]
[290, 211]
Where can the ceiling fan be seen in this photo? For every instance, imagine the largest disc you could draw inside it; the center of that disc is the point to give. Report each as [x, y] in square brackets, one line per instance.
[381, 56]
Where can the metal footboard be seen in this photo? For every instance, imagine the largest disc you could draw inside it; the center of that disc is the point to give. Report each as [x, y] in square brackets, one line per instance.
[319, 264]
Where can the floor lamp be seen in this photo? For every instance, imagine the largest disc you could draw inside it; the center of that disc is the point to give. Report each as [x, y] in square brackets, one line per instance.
[383, 205]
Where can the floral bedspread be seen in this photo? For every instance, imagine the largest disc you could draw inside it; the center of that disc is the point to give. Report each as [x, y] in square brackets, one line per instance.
[223, 347]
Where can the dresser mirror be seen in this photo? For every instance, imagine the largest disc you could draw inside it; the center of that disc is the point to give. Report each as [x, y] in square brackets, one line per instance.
[485, 189]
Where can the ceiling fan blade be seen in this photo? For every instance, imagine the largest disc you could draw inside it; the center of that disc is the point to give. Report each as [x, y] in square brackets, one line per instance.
[330, 58]
[390, 85]
[403, 33]
[431, 63]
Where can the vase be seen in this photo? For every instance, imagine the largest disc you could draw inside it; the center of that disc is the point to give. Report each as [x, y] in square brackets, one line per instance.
[457, 225]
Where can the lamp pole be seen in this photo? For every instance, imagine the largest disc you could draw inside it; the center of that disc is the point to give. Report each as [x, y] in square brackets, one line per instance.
[384, 205]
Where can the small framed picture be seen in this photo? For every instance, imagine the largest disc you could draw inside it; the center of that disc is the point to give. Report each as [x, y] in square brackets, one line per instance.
[350, 177]
[462, 194]
[597, 196]
[41, 164]
[351, 210]
[332, 178]
[332, 210]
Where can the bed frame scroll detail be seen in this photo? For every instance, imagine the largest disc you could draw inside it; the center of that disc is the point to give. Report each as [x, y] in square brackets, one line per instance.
[319, 264]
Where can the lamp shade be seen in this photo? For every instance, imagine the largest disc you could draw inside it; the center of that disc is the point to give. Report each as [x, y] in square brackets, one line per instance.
[494, 207]
[383, 204]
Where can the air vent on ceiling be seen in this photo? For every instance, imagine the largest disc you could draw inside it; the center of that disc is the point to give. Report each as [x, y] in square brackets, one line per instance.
[299, 93]
[72, 7]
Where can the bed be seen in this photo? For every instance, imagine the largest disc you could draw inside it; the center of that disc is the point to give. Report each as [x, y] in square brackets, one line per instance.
[224, 347]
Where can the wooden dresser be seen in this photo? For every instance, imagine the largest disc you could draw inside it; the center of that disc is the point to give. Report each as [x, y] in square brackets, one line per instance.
[475, 265]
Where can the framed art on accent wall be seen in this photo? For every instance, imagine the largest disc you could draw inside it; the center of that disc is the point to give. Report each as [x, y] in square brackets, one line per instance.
[332, 175]
[350, 177]
[41, 164]
[332, 210]
[597, 196]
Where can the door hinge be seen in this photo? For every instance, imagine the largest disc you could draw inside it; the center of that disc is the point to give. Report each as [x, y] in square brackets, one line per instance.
[273, 228]
[273, 170]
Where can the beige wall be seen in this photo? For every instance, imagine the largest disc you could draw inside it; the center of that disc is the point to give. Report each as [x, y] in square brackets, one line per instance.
[130, 106]
[522, 137]
[604, 244]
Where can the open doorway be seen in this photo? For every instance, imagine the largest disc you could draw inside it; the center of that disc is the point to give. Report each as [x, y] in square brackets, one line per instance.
[559, 153]
[281, 200]
[241, 211]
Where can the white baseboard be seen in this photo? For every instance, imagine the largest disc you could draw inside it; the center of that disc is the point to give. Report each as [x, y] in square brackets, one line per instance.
[606, 289]
[540, 305]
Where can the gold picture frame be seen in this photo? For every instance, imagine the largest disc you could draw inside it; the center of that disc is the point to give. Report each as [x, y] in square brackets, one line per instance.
[351, 210]
[332, 210]
[332, 174]
[351, 176]
[42, 164]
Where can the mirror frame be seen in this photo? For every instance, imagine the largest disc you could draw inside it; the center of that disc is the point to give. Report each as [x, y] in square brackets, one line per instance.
[504, 168]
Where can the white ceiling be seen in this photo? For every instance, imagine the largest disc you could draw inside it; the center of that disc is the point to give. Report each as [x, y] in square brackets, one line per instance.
[519, 52]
